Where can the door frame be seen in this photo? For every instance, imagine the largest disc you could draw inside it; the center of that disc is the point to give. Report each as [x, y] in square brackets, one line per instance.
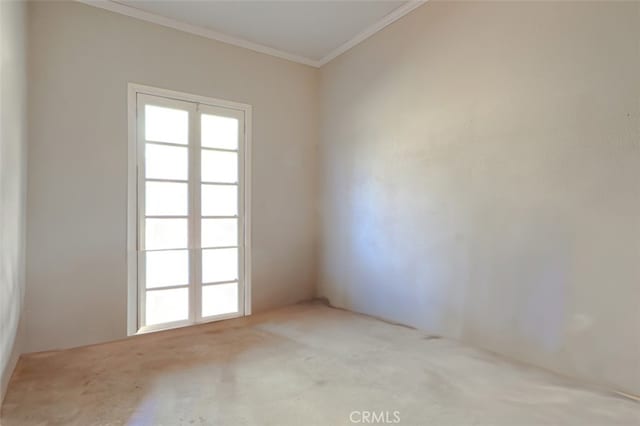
[133, 89]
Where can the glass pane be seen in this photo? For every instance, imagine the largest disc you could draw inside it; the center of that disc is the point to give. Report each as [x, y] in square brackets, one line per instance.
[167, 268]
[166, 199]
[166, 162]
[219, 232]
[165, 234]
[166, 124]
[219, 265]
[219, 166]
[167, 306]
[219, 200]
[219, 299]
[219, 132]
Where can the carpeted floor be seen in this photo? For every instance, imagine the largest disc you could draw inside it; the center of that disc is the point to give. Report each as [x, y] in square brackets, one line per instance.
[302, 365]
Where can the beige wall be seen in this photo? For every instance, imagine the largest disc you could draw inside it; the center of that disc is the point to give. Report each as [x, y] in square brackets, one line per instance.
[13, 146]
[81, 61]
[480, 174]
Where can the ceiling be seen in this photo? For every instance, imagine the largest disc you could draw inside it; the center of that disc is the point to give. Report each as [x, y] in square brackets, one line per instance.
[308, 31]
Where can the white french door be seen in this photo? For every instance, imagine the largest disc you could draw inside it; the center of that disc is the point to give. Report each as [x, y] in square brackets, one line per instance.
[191, 254]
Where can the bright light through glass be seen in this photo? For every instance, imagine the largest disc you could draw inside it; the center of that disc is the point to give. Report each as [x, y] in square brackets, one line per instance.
[219, 232]
[166, 125]
[167, 306]
[165, 234]
[219, 200]
[219, 265]
[167, 268]
[219, 132]
[219, 299]
[166, 162]
[166, 199]
[219, 166]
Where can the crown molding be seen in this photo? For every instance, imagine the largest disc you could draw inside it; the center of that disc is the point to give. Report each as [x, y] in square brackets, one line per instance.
[197, 30]
[371, 30]
[114, 6]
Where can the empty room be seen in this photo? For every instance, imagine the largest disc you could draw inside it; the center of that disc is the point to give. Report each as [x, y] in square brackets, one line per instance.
[319, 213]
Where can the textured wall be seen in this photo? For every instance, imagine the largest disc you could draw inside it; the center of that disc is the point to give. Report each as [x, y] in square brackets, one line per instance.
[81, 61]
[480, 175]
[13, 145]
